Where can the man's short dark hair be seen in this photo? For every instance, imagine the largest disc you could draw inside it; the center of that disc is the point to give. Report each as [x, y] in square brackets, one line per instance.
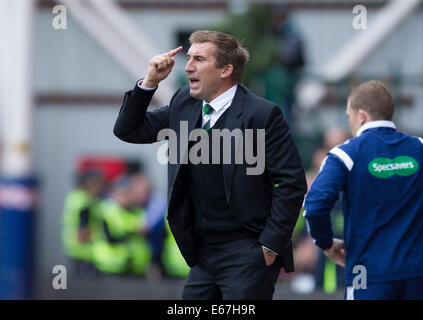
[228, 51]
[375, 98]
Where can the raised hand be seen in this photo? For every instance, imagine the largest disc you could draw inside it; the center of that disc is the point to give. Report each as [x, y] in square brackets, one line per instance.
[160, 67]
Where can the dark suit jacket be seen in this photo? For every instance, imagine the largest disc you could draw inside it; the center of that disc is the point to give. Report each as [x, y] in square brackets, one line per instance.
[267, 204]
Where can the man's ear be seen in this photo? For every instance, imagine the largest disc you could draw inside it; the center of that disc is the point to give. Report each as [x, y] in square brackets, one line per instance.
[363, 116]
[226, 71]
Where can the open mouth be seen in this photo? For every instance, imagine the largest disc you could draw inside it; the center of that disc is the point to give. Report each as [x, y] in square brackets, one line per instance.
[194, 83]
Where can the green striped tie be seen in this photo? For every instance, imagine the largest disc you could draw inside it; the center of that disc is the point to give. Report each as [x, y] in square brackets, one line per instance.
[207, 109]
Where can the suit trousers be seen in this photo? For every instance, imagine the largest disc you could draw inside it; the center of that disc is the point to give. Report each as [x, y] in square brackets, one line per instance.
[233, 270]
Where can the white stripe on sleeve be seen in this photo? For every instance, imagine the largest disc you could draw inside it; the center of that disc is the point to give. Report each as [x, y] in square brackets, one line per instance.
[343, 156]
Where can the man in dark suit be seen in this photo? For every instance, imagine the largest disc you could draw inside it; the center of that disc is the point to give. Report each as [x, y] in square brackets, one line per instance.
[233, 228]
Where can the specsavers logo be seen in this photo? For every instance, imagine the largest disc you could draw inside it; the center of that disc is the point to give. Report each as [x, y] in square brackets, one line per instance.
[384, 167]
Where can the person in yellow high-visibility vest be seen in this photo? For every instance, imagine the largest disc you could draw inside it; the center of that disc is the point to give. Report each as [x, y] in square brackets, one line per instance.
[80, 219]
[174, 264]
[122, 247]
[140, 251]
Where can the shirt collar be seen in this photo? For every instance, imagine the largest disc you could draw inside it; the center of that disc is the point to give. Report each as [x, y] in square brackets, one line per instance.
[220, 101]
[375, 124]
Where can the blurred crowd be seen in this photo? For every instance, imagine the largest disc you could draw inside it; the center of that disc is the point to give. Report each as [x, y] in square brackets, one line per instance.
[115, 224]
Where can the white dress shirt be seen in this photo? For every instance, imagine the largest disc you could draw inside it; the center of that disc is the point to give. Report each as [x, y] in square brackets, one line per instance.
[219, 106]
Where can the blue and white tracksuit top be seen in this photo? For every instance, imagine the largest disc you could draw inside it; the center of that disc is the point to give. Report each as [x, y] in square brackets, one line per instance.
[381, 176]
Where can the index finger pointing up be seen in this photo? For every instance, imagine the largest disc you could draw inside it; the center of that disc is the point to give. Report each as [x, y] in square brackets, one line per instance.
[175, 51]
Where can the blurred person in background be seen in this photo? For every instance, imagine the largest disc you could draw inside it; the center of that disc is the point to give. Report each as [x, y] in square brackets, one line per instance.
[305, 257]
[166, 259]
[282, 76]
[139, 247]
[235, 244]
[81, 221]
[121, 247]
[334, 136]
[316, 162]
[277, 53]
[379, 172]
[154, 206]
[329, 276]
[306, 254]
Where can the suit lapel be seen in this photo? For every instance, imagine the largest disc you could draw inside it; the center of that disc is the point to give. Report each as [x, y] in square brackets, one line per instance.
[191, 114]
[194, 114]
[233, 121]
